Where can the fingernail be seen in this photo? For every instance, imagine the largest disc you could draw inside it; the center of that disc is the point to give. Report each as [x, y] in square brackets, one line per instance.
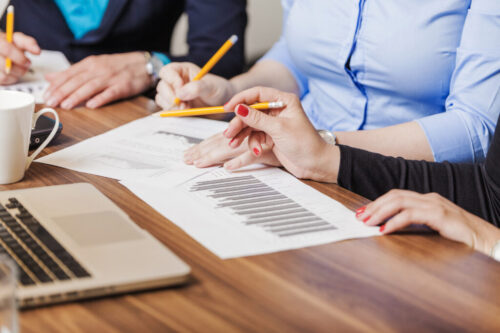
[231, 142]
[226, 103]
[52, 102]
[256, 151]
[382, 228]
[224, 133]
[360, 211]
[66, 105]
[242, 110]
[366, 219]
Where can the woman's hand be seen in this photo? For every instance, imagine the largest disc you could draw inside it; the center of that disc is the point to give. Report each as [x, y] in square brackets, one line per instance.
[402, 208]
[15, 51]
[176, 81]
[98, 80]
[280, 137]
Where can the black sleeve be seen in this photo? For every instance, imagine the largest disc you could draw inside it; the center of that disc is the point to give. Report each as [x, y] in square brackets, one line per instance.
[211, 23]
[474, 187]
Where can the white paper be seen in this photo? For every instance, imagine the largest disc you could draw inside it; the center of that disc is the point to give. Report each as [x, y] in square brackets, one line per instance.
[287, 214]
[34, 81]
[148, 147]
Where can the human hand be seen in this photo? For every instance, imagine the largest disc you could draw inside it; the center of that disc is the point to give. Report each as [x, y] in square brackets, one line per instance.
[280, 137]
[98, 80]
[176, 81]
[15, 51]
[401, 208]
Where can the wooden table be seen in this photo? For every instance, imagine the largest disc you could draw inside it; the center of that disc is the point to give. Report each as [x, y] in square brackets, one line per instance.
[384, 284]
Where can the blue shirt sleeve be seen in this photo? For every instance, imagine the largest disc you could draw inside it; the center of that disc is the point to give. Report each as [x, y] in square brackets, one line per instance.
[280, 53]
[473, 105]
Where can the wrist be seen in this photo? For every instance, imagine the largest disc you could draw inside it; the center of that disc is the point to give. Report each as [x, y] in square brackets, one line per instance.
[486, 236]
[325, 167]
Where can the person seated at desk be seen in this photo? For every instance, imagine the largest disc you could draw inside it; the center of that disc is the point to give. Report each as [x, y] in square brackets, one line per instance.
[374, 71]
[475, 188]
[106, 40]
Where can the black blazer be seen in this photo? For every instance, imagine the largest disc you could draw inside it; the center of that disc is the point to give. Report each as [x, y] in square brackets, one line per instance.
[142, 25]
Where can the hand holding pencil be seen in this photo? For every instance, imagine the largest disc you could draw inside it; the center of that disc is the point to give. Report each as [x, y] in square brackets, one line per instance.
[13, 45]
[192, 85]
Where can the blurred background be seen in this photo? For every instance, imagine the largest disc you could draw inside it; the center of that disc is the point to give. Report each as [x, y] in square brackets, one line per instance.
[264, 29]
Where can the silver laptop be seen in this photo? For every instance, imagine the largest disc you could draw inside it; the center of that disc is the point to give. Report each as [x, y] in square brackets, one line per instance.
[71, 242]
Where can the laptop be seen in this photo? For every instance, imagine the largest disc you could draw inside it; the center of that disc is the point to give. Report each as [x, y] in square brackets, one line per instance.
[71, 242]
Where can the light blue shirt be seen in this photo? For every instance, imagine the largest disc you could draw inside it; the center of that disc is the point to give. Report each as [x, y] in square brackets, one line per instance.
[82, 16]
[369, 64]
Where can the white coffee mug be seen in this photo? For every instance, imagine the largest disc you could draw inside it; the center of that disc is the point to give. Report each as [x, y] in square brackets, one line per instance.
[16, 122]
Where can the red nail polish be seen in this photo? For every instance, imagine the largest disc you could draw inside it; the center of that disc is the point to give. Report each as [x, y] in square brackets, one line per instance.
[366, 219]
[256, 151]
[242, 110]
[230, 142]
[382, 228]
[361, 210]
[226, 103]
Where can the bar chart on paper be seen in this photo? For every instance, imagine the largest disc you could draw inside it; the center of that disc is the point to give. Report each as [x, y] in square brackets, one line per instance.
[258, 204]
[256, 211]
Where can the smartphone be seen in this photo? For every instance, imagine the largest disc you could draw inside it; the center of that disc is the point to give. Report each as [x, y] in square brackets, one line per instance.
[42, 130]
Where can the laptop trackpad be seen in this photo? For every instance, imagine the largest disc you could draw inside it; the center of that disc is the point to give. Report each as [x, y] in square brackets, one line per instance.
[97, 228]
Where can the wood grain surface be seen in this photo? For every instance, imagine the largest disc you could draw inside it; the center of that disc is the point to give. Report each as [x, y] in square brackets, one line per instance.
[398, 283]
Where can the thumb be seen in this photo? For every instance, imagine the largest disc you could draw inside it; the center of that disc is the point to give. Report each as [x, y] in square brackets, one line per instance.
[258, 120]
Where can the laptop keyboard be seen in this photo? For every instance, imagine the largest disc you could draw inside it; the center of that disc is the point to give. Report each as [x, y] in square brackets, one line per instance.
[39, 256]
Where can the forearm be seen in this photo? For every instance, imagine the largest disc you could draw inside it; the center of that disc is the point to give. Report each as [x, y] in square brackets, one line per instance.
[406, 140]
[266, 73]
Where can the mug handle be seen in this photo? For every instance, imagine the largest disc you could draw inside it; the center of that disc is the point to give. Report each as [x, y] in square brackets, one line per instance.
[49, 138]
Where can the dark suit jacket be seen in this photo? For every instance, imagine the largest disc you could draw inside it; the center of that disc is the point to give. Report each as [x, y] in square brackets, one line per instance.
[142, 25]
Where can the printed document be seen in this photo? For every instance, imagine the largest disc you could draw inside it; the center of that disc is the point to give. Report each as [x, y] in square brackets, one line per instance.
[147, 147]
[255, 211]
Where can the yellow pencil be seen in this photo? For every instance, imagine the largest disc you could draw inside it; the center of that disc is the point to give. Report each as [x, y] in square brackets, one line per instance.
[214, 110]
[213, 61]
[9, 32]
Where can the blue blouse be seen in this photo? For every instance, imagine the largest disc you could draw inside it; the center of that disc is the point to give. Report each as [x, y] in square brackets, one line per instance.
[368, 64]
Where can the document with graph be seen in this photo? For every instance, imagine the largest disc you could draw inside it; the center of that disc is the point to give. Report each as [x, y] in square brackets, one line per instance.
[256, 211]
[146, 147]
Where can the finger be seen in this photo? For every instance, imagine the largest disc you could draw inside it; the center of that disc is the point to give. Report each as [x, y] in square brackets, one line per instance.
[83, 93]
[186, 71]
[238, 139]
[247, 158]
[122, 86]
[26, 43]
[258, 94]
[236, 125]
[213, 152]
[8, 50]
[166, 91]
[258, 120]
[15, 71]
[8, 79]
[193, 90]
[391, 205]
[65, 90]
[59, 78]
[161, 102]
[255, 142]
[406, 218]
